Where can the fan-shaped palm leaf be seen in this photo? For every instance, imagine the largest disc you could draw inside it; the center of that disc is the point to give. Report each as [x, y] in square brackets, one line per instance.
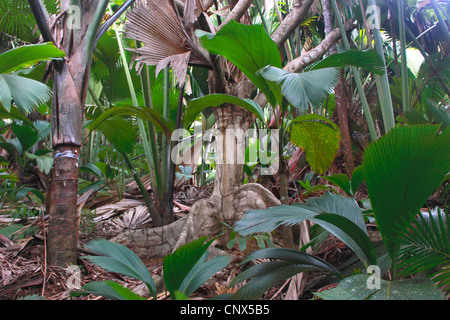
[402, 169]
[368, 60]
[165, 38]
[303, 89]
[426, 246]
[17, 20]
[27, 94]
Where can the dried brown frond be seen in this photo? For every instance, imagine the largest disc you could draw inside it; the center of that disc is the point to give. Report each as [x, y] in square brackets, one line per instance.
[168, 39]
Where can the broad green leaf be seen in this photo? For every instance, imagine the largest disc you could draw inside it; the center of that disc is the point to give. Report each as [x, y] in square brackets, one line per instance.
[341, 180]
[287, 263]
[201, 272]
[297, 256]
[44, 162]
[178, 265]
[402, 169]
[357, 288]
[144, 113]
[368, 60]
[22, 192]
[195, 106]
[266, 275]
[108, 289]
[345, 221]
[337, 204]
[349, 233]
[25, 56]
[118, 258]
[120, 133]
[357, 179]
[26, 135]
[318, 138]
[303, 89]
[267, 220]
[250, 49]
[90, 167]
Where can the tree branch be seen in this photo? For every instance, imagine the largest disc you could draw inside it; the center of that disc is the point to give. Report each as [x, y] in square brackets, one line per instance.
[238, 11]
[292, 20]
[311, 56]
[320, 50]
[39, 15]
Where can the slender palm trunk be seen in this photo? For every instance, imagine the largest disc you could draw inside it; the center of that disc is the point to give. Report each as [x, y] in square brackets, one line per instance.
[341, 97]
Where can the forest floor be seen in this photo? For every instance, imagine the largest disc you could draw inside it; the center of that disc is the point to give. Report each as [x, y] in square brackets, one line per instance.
[24, 272]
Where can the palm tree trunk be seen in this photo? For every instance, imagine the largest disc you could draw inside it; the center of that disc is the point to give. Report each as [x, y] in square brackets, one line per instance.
[76, 37]
[232, 125]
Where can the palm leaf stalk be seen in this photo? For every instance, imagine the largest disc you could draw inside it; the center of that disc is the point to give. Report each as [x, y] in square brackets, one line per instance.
[140, 184]
[165, 145]
[150, 156]
[362, 95]
[387, 109]
[148, 103]
[442, 25]
[404, 67]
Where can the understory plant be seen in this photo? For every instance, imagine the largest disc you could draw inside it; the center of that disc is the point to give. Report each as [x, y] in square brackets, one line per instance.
[401, 170]
[184, 270]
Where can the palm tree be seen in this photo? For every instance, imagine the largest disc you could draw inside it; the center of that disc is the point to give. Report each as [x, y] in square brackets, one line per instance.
[75, 35]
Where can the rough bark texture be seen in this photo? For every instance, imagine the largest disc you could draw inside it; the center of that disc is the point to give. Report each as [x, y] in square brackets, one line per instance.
[341, 94]
[63, 222]
[288, 25]
[342, 102]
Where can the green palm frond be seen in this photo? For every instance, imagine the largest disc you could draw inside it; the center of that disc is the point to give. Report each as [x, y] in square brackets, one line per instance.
[426, 247]
[303, 89]
[27, 94]
[402, 169]
[17, 20]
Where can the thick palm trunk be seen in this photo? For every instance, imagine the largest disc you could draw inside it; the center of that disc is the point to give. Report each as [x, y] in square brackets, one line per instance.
[67, 121]
[232, 125]
[74, 34]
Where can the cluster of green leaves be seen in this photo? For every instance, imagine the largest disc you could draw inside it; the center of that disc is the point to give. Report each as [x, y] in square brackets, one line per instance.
[184, 271]
[400, 176]
[19, 95]
[26, 93]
